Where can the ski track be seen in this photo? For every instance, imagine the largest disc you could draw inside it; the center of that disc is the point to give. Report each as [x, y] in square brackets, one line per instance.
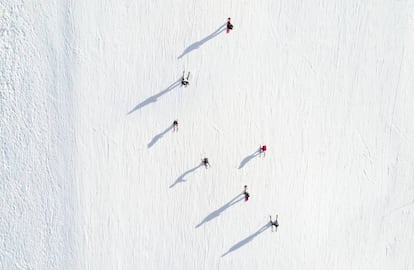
[94, 178]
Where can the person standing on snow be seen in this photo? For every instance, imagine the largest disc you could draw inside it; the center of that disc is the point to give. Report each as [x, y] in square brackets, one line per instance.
[184, 81]
[175, 125]
[229, 25]
[246, 194]
[274, 223]
[206, 163]
[263, 150]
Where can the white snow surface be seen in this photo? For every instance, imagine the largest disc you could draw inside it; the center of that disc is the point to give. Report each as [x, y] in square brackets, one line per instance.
[92, 176]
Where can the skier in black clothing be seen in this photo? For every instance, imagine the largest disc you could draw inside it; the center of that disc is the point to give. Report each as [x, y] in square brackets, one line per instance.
[206, 163]
[184, 81]
[229, 25]
[246, 194]
[274, 223]
[175, 125]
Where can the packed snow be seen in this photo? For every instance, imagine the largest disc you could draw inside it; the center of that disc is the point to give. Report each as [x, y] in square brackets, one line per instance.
[94, 176]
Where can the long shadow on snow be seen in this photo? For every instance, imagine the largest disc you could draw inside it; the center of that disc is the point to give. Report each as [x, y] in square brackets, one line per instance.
[181, 179]
[217, 213]
[154, 98]
[247, 239]
[248, 158]
[158, 136]
[199, 43]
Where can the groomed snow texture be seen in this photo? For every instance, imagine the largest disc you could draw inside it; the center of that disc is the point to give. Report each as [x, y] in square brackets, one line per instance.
[92, 175]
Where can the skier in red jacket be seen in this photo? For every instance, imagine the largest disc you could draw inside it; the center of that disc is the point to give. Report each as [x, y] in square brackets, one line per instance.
[263, 150]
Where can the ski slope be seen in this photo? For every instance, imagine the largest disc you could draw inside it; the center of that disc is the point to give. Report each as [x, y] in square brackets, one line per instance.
[93, 177]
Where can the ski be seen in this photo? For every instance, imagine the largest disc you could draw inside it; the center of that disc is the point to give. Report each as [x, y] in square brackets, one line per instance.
[271, 224]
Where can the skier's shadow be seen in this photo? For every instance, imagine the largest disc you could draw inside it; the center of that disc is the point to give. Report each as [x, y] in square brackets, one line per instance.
[247, 239]
[158, 136]
[199, 43]
[181, 178]
[217, 212]
[248, 158]
[154, 98]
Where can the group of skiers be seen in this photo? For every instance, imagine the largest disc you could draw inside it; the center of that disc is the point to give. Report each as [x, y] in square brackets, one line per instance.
[262, 149]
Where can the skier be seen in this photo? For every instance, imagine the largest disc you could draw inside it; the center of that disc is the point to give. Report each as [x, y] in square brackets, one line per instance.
[246, 194]
[229, 25]
[175, 125]
[184, 81]
[274, 223]
[206, 163]
[263, 150]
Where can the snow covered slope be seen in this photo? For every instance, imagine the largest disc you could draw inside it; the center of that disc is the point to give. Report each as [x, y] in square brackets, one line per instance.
[326, 85]
[37, 196]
